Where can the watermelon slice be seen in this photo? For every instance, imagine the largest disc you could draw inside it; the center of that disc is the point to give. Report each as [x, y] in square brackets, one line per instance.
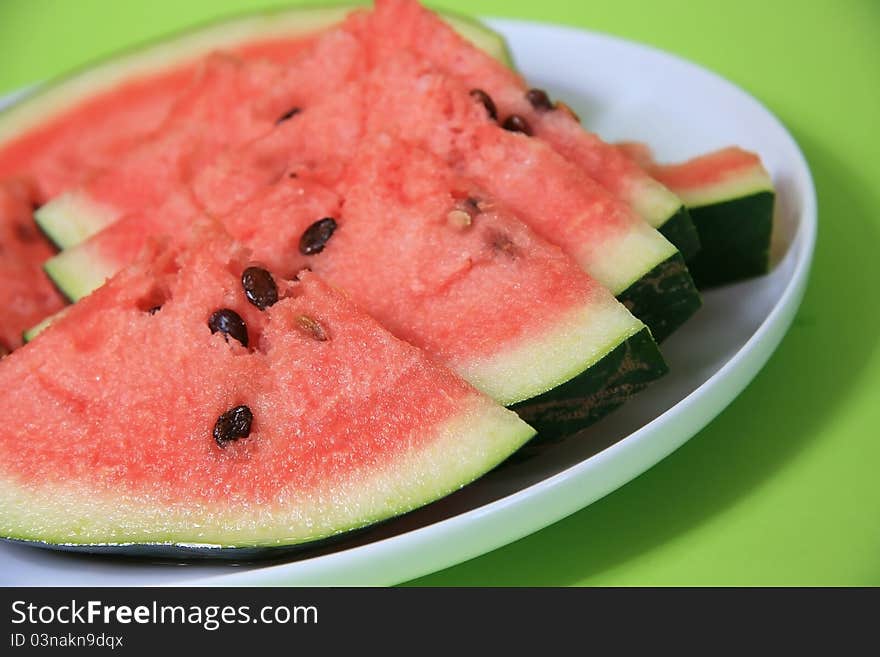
[610, 242]
[553, 195]
[26, 294]
[137, 418]
[424, 249]
[229, 102]
[398, 24]
[730, 196]
[86, 120]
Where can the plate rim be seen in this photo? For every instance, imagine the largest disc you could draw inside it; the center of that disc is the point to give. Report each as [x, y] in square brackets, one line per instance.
[445, 541]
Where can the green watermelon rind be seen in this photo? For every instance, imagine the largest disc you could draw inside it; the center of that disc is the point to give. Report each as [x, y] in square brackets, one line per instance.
[662, 294]
[681, 230]
[567, 363]
[579, 402]
[734, 219]
[58, 221]
[467, 448]
[664, 298]
[736, 236]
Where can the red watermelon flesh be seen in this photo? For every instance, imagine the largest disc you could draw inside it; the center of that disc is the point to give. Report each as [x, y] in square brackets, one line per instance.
[410, 99]
[432, 256]
[229, 102]
[396, 24]
[579, 215]
[271, 211]
[26, 293]
[65, 148]
[318, 142]
[556, 198]
[109, 416]
[424, 249]
[407, 96]
[198, 126]
[93, 135]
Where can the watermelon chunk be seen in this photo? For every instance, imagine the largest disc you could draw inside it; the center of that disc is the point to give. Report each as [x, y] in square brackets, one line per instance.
[437, 260]
[409, 98]
[229, 102]
[554, 196]
[26, 294]
[406, 24]
[123, 421]
[85, 121]
[730, 196]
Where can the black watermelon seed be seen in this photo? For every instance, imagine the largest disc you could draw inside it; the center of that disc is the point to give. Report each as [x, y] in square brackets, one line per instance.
[289, 114]
[156, 309]
[229, 323]
[516, 123]
[259, 287]
[232, 425]
[486, 100]
[539, 99]
[315, 237]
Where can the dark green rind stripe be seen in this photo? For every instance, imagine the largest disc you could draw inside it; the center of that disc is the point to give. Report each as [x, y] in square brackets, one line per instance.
[664, 298]
[735, 238]
[681, 231]
[594, 393]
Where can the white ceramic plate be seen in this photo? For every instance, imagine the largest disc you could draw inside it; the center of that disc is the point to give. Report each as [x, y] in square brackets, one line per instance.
[636, 93]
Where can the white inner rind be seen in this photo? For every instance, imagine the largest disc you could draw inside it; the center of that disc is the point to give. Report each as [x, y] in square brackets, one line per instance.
[744, 182]
[652, 201]
[69, 512]
[59, 96]
[72, 218]
[77, 272]
[577, 340]
[624, 259]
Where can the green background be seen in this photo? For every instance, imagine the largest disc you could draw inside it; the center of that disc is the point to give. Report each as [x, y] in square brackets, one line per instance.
[784, 486]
